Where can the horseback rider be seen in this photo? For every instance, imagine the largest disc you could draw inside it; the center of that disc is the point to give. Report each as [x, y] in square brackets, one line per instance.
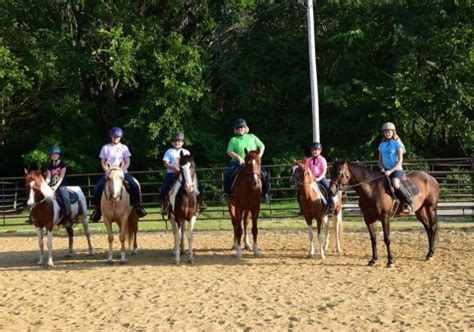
[115, 154]
[318, 166]
[56, 178]
[236, 150]
[391, 151]
[171, 163]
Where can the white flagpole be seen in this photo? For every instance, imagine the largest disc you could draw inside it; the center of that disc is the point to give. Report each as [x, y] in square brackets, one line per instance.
[313, 73]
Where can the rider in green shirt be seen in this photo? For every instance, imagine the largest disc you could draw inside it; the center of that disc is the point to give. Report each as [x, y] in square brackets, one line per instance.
[236, 150]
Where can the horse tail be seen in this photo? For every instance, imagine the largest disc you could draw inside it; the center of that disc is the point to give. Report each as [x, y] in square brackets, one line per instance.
[131, 227]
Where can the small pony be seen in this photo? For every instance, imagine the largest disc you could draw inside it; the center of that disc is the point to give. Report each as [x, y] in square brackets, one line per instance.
[312, 207]
[115, 206]
[245, 199]
[183, 198]
[376, 204]
[45, 212]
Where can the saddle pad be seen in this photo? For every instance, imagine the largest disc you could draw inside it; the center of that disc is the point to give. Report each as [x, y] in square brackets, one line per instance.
[410, 186]
[317, 188]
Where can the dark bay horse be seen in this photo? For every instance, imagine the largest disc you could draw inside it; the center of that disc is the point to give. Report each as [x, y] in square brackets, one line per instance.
[245, 199]
[312, 207]
[45, 212]
[184, 205]
[376, 204]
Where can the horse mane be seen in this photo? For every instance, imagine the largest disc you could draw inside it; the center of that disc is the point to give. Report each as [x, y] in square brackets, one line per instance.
[188, 158]
[366, 173]
[253, 155]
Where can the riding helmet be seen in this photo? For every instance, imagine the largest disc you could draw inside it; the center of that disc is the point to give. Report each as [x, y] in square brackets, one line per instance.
[55, 149]
[388, 126]
[116, 131]
[316, 145]
[240, 123]
[177, 136]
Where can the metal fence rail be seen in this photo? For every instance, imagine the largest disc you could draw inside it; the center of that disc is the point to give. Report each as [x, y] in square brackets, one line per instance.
[455, 175]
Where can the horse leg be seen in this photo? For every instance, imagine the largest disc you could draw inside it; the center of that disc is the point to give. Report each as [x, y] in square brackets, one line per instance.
[255, 213]
[50, 248]
[123, 229]
[85, 227]
[311, 239]
[425, 216]
[238, 232]
[373, 239]
[183, 232]
[39, 232]
[110, 238]
[177, 240]
[190, 239]
[246, 224]
[386, 239]
[320, 237]
[70, 235]
[337, 222]
[326, 229]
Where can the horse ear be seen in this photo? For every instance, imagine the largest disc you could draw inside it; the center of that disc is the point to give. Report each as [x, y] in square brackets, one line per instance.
[246, 151]
[25, 170]
[181, 154]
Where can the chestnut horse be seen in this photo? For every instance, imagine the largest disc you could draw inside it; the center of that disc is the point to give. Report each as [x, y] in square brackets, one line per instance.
[312, 207]
[183, 199]
[45, 212]
[115, 206]
[245, 199]
[376, 204]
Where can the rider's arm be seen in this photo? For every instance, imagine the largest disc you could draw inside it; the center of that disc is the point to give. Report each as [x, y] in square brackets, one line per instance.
[61, 178]
[235, 156]
[323, 172]
[127, 163]
[48, 176]
[104, 164]
[172, 167]
[262, 150]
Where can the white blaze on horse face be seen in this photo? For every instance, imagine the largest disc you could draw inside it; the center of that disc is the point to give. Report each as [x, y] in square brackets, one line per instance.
[117, 182]
[31, 196]
[189, 185]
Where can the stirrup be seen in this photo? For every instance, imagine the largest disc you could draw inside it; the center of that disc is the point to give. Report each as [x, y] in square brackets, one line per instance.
[95, 217]
[140, 212]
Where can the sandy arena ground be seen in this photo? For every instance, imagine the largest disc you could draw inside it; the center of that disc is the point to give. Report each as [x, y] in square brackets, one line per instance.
[282, 290]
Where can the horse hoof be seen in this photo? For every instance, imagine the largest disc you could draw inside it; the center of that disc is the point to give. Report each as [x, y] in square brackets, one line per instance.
[91, 253]
[390, 265]
[123, 262]
[372, 263]
[429, 258]
[311, 256]
[191, 261]
[68, 255]
[109, 262]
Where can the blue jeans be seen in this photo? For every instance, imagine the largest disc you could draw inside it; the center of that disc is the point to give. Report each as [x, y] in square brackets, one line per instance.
[63, 193]
[228, 179]
[99, 188]
[325, 183]
[166, 185]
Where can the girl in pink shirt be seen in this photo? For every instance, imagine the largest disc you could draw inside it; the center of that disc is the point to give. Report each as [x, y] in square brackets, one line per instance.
[318, 166]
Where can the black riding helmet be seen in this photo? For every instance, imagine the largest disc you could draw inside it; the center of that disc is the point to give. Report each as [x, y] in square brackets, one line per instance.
[239, 123]
[316, 145]
[177, 136]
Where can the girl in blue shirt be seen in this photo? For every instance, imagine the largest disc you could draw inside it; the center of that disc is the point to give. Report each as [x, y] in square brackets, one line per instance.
[391, 151]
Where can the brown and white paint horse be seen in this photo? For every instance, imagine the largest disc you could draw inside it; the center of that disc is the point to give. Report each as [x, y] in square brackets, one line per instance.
[312, 207]
[45, 213]
[115, 207]
[183, 199]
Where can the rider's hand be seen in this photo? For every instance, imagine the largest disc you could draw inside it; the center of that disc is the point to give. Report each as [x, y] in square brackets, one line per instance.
[387, 173]
[241, 161]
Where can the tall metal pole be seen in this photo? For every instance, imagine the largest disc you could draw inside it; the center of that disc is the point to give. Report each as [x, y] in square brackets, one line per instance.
[313, 73]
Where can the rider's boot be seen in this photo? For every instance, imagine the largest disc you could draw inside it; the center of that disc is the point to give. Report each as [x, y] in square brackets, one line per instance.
[164, 206]
[140, 211]
[67, 221]
[405, 197]
[202, 205]
[95, 217]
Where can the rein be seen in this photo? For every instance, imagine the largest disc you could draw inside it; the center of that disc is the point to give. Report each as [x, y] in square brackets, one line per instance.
[361, 183]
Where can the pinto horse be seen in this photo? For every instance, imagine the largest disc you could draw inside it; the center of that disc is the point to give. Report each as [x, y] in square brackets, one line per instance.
[183, 199]
[245, 199]
[376, 204]
[115, 206]
[45, 213]
[312, 207]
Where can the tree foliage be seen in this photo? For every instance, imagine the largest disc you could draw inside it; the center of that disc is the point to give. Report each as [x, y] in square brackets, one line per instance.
[70, 70]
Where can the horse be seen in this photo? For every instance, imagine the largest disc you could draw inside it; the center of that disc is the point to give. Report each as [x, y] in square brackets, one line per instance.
[183, 198]
[245, 199]
[312, 207]
[45, 213]
[115, 207]
[376, 204]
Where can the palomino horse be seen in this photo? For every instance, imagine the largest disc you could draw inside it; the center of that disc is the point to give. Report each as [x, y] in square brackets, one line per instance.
[376, 204]
[312, 207]
[45, 212]
[183, 198]
[115, 206]
[245, 199]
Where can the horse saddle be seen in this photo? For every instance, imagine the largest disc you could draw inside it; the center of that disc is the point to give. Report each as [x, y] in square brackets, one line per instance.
[73, 197]
[322, 192]
[406, 182]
